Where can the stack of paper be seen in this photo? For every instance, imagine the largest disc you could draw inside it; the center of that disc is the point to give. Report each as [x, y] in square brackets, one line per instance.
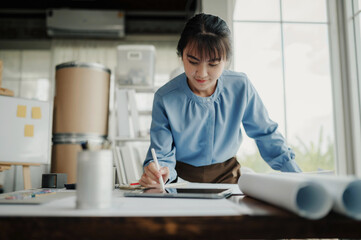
[129, 163]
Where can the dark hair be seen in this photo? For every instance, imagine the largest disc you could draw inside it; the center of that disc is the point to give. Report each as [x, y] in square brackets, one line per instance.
[208, 34]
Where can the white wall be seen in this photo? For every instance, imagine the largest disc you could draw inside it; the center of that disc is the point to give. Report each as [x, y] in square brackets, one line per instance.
[223, 9]
[26, 79]
[30, 74]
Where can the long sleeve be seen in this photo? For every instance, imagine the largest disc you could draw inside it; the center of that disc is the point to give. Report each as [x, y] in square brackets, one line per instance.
[263, 130]
[201, 131]
[161, 138]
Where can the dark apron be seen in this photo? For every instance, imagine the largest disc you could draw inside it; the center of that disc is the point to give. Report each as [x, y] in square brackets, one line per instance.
[226, 172]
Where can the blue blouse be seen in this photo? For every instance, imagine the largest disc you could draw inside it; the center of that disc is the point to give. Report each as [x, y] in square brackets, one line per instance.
[206, 130]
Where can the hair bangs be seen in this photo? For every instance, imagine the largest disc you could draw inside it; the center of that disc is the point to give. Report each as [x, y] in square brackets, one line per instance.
[208, 46]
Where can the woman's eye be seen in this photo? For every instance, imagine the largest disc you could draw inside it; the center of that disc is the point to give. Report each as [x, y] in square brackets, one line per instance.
[213, 64]
[193, 63]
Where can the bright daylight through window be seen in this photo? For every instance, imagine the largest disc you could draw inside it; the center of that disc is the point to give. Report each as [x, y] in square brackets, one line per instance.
[283, 47]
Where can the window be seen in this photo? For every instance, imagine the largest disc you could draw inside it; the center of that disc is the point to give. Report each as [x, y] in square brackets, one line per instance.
[283, 47]
[352, 33]
[356, 9]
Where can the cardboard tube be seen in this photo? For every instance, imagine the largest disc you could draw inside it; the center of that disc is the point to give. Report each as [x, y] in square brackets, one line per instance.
[64, 160]
[81, 99]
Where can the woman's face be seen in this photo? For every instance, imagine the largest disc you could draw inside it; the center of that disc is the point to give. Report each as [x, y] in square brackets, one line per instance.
[202, 75]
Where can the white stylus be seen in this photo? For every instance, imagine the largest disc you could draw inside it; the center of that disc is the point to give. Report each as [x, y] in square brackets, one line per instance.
[157, 166]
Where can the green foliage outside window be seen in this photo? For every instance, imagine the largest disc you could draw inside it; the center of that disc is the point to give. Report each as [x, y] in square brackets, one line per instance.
[309, 156]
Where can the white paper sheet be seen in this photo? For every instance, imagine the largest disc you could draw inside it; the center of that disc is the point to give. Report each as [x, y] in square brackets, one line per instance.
[301, 196]
[129, 207]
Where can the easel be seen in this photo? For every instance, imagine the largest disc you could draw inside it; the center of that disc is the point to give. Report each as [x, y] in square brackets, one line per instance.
[4, 91]
[7, 165]
[26, 171]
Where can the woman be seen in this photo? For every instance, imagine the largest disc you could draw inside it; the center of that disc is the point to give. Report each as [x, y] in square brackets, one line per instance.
[196, 116]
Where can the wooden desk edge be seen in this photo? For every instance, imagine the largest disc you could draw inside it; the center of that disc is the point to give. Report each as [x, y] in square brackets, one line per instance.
[224, 227]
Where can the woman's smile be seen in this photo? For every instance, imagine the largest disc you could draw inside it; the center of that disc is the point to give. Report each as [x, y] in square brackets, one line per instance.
[201, 80]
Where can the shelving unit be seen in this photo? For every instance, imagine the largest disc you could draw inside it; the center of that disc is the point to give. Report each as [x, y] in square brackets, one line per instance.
[131, 150]
[135, 66]
[138, 89]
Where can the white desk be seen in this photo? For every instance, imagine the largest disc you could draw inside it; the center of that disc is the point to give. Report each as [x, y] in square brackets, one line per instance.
[64, 205]
[152, 218]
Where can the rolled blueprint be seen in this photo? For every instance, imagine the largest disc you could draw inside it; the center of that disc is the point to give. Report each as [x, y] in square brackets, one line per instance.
[345, 191]
[304, 197]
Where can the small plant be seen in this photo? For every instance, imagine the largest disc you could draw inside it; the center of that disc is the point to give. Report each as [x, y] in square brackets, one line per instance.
[315, 156]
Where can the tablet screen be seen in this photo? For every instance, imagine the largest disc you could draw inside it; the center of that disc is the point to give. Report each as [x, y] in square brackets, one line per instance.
[215, 193]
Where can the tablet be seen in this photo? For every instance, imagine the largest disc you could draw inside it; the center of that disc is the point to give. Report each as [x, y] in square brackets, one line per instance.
[210, 193]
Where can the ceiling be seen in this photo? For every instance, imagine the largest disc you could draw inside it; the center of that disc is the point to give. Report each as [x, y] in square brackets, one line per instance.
[24, 19]
[128, 5]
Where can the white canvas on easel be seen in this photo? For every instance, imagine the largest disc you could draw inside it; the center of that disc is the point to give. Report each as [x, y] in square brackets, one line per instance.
[25, 134]
[25, 130]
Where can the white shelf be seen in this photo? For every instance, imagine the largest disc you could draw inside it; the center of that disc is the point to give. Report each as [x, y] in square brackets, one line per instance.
[139, 88]
[145, 112]
[139, 139]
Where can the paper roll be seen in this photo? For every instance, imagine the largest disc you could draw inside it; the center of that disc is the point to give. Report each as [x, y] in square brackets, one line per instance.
[303, 197]
[344, 190]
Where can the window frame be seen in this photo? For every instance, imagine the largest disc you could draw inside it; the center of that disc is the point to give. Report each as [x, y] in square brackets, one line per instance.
[345, 82]
[345, 46]
[340, 144]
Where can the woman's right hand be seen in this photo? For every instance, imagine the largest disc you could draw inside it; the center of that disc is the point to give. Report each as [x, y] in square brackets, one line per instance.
[150, 177]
